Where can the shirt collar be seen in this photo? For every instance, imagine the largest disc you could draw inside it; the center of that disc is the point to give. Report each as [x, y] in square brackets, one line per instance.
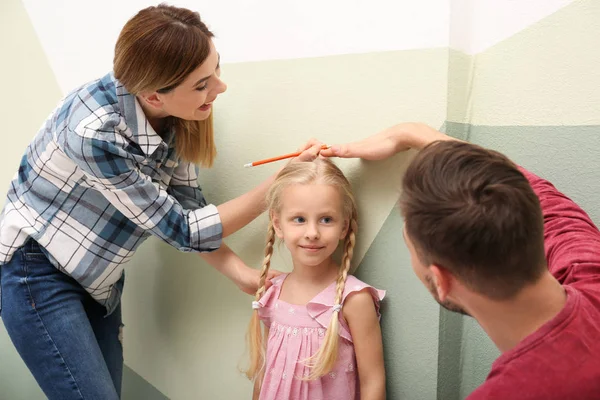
[142, 132]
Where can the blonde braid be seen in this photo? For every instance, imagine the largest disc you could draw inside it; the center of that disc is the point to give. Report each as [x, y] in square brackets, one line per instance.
[266, 261]
[254, 336]
[347, 258]
[327, 354]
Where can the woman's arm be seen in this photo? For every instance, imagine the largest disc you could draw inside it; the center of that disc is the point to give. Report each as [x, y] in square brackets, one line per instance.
[363, 321]
[234, 214]
[110, 169]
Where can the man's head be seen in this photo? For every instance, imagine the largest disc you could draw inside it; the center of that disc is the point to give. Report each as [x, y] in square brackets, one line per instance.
[471, 219]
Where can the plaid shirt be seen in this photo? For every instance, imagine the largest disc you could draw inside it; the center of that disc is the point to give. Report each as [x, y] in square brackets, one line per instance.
[95, 182]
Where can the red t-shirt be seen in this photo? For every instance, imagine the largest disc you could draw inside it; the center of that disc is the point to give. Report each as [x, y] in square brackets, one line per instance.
[561, 360]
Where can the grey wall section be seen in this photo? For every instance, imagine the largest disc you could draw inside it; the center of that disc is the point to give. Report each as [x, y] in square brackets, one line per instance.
[20, 385]
[409, 316]
[449, 355]
[568, 156]
[137, 388]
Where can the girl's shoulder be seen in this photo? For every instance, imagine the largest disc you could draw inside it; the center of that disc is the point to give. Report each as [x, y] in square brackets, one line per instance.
[321, 307]
[355, 285]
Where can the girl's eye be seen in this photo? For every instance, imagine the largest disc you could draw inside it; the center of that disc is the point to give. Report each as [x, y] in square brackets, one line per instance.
[326, 220]
[201, 88]
[299, 220]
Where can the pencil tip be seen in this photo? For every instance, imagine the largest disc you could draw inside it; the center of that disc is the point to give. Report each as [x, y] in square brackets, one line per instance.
[247, 165]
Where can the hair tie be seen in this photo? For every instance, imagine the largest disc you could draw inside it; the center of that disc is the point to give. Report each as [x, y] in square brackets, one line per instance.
[337, 307]
[255, 305]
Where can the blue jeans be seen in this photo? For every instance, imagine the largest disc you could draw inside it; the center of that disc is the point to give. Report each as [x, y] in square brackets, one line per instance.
[60, 331]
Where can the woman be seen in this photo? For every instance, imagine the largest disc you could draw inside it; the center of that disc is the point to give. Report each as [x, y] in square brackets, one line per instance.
[115, 163]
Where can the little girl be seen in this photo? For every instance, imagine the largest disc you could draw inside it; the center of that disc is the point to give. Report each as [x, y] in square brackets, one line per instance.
[322, 339]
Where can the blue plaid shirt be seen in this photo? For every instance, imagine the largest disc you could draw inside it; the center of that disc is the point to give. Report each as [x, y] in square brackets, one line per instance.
[95, 182]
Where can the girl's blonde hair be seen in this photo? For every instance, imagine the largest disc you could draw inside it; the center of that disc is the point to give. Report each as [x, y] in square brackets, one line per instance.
[320, 171]
[156, 50]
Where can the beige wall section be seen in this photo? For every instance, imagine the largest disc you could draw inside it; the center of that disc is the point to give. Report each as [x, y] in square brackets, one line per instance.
[461, 79]
[185, 324]
[540, 76]
[30, 93]
[30, 89]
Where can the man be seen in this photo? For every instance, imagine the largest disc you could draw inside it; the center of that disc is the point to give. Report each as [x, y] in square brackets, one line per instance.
[493, 241]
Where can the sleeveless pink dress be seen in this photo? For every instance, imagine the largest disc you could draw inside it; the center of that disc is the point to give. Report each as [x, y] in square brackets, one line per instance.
[296, 332]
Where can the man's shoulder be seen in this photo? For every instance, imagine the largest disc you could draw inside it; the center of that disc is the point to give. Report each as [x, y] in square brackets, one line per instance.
[563, 366]
[575, 385]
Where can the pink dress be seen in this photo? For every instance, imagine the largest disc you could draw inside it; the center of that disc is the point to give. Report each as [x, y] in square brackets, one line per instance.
[296, 332]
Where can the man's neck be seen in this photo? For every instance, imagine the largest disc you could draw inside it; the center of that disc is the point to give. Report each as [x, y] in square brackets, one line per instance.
[508, 322]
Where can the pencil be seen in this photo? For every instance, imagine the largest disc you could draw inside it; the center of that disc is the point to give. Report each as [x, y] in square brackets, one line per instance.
[283, 157]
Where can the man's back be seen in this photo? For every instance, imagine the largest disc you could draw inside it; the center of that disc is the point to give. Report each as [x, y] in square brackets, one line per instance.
[561, 360]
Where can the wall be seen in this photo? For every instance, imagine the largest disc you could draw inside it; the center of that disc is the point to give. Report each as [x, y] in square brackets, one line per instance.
[515, 76]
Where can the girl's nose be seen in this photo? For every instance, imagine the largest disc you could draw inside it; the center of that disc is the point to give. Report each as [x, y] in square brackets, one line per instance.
[312, 231]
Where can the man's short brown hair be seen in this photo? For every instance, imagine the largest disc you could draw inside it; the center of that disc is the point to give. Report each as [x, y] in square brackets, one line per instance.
[471, 211]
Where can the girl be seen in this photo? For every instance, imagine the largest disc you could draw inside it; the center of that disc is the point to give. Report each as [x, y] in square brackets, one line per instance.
[322, 337]
[115, 163]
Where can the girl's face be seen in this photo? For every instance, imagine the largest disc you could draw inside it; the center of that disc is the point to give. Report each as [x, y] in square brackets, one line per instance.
[311, 222]
[192, 99]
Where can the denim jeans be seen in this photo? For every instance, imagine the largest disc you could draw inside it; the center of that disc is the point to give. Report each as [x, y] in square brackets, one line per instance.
[72, 349]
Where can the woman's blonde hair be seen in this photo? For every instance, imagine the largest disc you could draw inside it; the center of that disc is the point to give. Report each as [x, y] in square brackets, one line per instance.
[156, 50]
[320, 171]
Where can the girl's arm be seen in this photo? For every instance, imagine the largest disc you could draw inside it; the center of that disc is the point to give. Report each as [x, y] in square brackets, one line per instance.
[363, 321]
[231, 265]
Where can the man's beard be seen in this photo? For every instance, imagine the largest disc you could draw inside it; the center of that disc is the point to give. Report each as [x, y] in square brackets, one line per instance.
[447, 304]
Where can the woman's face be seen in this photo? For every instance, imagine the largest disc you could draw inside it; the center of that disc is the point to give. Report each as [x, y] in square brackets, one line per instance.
[192, 99]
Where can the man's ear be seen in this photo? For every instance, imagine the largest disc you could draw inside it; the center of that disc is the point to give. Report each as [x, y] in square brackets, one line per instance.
[153, 99]
[442, 280]
[276, 224]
